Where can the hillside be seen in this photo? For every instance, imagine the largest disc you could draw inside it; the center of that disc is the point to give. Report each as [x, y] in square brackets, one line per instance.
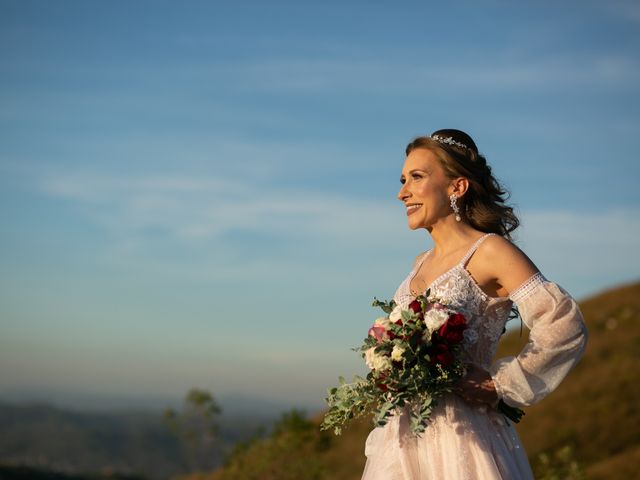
[588, 428]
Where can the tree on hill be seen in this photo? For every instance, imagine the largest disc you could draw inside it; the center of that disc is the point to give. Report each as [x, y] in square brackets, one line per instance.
[196, 427]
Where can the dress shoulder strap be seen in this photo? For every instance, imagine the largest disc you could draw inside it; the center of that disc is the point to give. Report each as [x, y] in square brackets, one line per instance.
[420, 260]
[473, 248]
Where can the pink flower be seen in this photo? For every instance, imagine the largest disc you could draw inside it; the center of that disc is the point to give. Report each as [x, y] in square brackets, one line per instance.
[378, 332]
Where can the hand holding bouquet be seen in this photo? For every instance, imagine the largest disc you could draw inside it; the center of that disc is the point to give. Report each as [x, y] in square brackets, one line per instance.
[415, 357]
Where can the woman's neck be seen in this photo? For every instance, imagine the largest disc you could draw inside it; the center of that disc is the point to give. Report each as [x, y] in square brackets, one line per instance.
[448, 239]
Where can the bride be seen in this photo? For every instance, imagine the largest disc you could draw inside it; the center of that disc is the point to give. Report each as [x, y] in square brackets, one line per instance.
[449, 190]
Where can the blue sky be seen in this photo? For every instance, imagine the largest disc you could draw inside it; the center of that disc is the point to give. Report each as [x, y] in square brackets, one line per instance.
[203, 193]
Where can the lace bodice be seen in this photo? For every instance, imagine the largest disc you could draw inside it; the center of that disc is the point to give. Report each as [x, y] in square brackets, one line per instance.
[556, 342]
[486, 316]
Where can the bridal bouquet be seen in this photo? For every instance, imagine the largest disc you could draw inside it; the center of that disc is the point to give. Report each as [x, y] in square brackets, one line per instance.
[415, 357]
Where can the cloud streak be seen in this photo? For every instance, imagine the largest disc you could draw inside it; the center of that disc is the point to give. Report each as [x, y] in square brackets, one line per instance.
[197, 208]
[323, 75]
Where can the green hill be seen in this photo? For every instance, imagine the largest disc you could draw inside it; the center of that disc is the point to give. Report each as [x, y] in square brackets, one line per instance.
[588, 428]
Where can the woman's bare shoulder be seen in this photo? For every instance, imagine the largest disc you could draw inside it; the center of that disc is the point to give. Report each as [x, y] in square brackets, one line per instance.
[506, 262]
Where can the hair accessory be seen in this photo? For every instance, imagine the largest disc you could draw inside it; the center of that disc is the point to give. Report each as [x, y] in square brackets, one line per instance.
[448, 140]
[455, 207]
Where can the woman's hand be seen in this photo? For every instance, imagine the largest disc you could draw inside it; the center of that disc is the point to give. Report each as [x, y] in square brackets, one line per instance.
[477, 387]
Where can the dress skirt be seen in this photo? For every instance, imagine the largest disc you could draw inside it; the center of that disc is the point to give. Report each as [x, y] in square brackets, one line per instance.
[460, 442]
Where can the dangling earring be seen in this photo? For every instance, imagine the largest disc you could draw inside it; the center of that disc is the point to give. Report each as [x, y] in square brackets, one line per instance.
[454, 206]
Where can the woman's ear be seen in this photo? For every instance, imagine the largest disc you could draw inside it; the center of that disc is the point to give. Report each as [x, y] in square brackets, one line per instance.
[459, 186]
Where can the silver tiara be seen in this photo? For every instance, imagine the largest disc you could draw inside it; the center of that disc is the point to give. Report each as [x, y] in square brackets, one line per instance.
[448, 140]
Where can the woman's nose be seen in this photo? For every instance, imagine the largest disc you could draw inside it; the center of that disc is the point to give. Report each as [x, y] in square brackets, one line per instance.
[402, 193]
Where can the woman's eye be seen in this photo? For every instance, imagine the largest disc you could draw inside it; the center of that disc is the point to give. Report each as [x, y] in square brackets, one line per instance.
[416, 175]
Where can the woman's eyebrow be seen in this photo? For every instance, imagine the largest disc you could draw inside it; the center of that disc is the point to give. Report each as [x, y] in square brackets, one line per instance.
[414, 171]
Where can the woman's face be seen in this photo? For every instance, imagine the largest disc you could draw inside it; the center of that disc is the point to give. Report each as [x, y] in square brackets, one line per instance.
[424, 189]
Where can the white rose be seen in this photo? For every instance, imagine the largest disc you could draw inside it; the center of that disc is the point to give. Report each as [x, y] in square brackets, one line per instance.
[396, 353]
[375, 361]
[368, 357]
[396, 314]
[435, 318]
[381, 363]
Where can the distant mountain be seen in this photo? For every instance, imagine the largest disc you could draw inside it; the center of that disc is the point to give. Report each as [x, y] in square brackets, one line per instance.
[128, 443]
[239, 405]
[83, 401]
[233, 404]
[44, 436]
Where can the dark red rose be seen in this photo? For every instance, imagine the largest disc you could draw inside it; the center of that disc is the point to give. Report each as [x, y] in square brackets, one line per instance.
[416, 307]
[381, 382]
[453, 336]
[457, 320]
[398, 322]
[453, 328]
[440, 354]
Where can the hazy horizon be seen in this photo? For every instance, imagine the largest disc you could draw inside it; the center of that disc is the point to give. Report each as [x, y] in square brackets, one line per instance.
[86, 401]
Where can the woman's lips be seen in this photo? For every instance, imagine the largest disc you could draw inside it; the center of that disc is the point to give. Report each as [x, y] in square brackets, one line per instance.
[413, 208]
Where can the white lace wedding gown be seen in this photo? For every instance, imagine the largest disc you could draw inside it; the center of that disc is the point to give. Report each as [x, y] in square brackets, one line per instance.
[477, 443]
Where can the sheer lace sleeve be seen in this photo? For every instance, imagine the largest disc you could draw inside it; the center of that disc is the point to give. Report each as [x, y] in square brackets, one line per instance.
[557, 341]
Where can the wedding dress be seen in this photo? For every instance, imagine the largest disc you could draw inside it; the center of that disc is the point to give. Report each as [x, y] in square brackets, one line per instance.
[476, 442]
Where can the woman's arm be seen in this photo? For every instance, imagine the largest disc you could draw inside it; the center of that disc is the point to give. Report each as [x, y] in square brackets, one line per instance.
[556, 341]
[557, 337]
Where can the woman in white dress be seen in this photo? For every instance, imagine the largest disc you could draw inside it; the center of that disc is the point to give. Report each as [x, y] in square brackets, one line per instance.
[449, 190]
